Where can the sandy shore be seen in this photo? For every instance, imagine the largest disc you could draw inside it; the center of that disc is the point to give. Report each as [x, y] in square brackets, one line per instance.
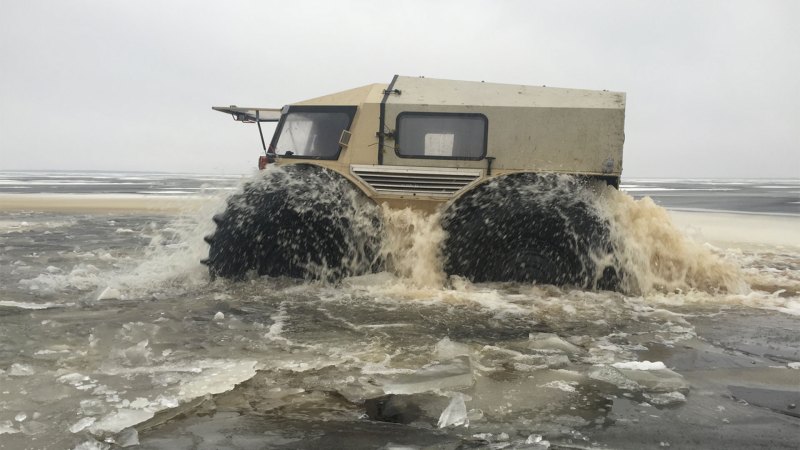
[100, 203]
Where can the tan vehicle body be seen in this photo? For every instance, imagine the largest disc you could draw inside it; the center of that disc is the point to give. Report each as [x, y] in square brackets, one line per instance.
[530, 129]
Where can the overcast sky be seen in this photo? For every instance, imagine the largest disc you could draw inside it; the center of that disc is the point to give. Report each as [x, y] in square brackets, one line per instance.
[713, 87]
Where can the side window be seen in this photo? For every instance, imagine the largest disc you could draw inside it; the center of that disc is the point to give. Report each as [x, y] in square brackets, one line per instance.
[441, 135]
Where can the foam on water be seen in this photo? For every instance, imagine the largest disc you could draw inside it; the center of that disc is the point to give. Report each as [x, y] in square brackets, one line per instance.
[170, 262]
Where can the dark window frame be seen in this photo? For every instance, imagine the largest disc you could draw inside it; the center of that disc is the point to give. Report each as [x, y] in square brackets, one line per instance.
[398, 144]
[349, 110]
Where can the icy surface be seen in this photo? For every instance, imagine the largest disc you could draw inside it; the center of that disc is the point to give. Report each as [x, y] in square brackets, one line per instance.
[452, 374]
[82, 424]
[110, 331]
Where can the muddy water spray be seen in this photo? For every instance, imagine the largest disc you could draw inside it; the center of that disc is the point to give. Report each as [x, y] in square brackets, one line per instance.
[650, 252]
[656, 256]
[412, 246]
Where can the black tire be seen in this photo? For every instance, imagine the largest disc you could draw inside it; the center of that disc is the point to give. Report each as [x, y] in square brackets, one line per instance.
[529, 228]
[301, 221]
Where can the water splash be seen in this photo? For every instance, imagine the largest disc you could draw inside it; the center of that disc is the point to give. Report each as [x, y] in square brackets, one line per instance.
[651, 252]
[653, 255]
[412, 246]
[656, 256]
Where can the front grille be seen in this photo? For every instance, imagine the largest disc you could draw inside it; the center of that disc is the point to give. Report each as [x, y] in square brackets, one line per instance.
[416, 180]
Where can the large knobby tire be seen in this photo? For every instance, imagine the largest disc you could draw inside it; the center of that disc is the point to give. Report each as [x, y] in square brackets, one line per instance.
[530, 228]
[300, 221]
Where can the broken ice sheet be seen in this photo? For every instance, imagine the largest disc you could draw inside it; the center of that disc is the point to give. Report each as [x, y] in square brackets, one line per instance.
[218, 376]
[613, 376]
[453, 374]
[82, 424]
[127, 438]
[550, 342]
[663, 380]
[194, 379]
[558, 384]
[665, 399]
[455, 414]
[651, 379]
[524, 356]
[7, 427]
[513, 395]
[121, 419]
[109, 293]
[447, 349]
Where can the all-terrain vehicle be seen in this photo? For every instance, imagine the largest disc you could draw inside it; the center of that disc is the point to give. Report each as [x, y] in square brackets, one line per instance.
[511, 169]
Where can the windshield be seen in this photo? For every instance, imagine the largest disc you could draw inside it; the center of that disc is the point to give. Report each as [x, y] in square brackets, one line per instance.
[312, 132]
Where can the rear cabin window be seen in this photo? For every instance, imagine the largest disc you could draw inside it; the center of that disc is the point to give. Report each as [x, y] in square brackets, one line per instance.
[312, 131]
[441, 135]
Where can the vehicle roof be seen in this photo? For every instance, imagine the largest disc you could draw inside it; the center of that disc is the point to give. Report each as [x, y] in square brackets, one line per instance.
[432, 91]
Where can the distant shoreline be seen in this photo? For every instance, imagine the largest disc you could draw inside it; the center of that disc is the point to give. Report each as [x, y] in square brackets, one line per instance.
[99, 203]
